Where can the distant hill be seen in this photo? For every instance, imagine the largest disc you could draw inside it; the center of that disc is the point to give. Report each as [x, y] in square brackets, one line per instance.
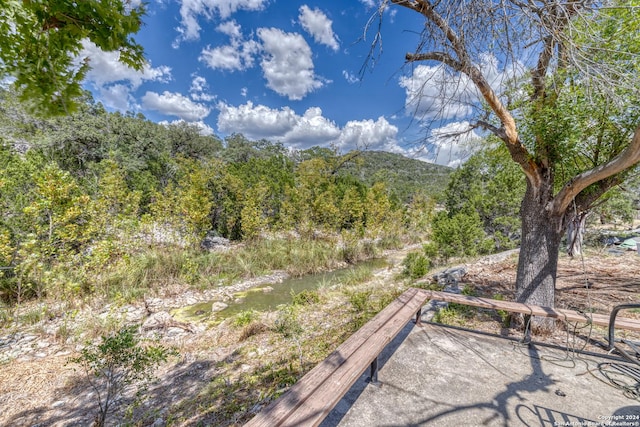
[403, 175]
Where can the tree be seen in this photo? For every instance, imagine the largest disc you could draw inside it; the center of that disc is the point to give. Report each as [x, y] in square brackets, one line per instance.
[573, 70]
[41, 41]
[489, 184]
[117, 362]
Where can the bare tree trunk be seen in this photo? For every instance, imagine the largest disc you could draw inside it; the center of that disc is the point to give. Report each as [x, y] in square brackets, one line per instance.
[538, 260]
[575, 234]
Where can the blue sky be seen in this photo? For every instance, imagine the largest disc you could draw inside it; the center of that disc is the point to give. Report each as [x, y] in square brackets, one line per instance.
[287, 71]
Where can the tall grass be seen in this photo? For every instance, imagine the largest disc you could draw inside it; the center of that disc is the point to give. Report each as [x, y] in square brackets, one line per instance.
[149, 271]
[134, 276]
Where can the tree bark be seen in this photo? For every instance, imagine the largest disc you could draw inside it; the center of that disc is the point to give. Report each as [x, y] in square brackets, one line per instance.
[538, 261]
[575, 234]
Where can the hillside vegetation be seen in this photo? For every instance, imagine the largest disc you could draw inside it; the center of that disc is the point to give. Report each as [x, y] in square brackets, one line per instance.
[403, 176]
[89, 199]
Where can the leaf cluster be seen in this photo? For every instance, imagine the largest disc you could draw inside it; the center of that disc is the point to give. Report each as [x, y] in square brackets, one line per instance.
[42, 40]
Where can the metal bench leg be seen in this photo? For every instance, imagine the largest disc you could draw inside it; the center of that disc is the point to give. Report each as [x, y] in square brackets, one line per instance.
[419, 317]
[373, 374]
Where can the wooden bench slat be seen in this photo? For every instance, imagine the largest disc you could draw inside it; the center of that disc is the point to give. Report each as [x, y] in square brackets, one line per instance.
[535, 310]
[329, 393]
[278, 411]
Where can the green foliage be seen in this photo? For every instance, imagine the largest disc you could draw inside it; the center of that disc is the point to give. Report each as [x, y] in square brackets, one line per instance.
[251, 215]
[457, 235]
[618, 208]
[244, 318]
[359, 300]
[357, 275]
[305, 297]
[88, 199]
[287, 322]
[42, 39]
[117, 362]
[490, 184]
[415, 265]
[403, 177]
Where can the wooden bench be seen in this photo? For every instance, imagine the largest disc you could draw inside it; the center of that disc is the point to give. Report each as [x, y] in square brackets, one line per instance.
[534, 310]
[311, 399]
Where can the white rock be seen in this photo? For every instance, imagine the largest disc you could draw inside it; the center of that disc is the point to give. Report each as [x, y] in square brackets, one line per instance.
[218, 306]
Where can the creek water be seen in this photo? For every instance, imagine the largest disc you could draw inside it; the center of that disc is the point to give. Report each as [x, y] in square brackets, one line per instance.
[269, 297]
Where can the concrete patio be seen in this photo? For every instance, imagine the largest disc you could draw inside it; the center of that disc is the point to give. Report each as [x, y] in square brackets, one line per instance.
[437, 375]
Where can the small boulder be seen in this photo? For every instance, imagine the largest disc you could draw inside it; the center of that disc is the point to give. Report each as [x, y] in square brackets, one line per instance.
[212, 242]
[218, 306]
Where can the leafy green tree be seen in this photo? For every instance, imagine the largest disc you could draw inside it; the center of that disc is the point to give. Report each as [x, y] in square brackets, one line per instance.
[419, 214]
[352, 208]
[252, 213]
[274, 174]
[114, 212]
[378, 208]
[119, 361]
[185, 140]
[75, 141]
[184, 207]
[490, 184]
[58, 230]
[570, 122]
[41, 40]
[301, 209]
[618, 208]
[459, 234]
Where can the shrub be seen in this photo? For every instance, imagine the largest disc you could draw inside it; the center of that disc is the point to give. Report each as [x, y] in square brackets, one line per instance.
[458, 235]
[415, 265]
[244, 318]
[305, 297]
[287, 322]
[117, 362]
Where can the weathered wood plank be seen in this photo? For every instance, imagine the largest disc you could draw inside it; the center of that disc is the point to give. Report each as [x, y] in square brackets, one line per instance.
[329, 393]
[298, 395]
[514, 307]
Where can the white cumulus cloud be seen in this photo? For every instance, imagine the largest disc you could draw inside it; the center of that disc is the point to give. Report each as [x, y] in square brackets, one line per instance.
[238, 55]
[118, 97]
[304, 131]
[435, 92]
[192, 10]
[350, 77]
[312, 129]
[175, 104]
[203, 128]
[199, 89]
[287, 64]
[432, 92]
[374, 135]
[452, 144]
[114, 81]
[319, 26]
[105, 68]
[257, 121]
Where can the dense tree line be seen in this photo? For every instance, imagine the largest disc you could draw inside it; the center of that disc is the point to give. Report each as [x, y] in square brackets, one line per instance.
[81, 191]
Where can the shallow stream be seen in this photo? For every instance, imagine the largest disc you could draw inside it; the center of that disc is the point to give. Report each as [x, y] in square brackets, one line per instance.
[269, 297]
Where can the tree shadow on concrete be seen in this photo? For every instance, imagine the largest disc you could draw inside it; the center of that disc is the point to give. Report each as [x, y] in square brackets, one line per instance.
[493, 409]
